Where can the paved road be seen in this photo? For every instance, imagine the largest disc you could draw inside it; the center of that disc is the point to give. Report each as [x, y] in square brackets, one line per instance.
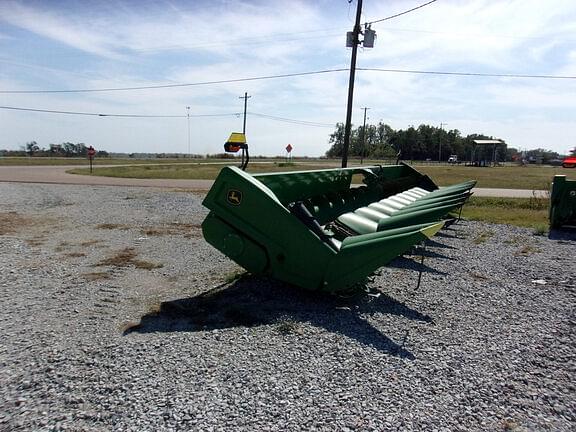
[58, 174]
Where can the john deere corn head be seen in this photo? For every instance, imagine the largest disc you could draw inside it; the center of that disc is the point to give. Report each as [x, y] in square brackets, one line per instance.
[562, 202]
[312, 229]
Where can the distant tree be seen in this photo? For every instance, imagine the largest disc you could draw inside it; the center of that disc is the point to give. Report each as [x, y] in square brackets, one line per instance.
[55, 149]
[541, 155]
[74, 150]
[32, 147]
[337, 141]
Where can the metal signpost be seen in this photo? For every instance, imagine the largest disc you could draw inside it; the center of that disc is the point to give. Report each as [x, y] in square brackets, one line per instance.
[91, 154]
[288, 152]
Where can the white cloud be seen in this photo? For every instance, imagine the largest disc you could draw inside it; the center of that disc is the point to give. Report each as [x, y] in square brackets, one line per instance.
[180, 42]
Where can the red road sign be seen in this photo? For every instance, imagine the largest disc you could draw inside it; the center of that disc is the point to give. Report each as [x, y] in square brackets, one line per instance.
[289, 148]
[91, 151]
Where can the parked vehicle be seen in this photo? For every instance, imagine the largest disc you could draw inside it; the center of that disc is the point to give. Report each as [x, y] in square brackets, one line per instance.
[569, 162]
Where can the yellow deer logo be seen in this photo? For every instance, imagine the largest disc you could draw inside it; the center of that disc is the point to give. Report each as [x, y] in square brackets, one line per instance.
[234, 197]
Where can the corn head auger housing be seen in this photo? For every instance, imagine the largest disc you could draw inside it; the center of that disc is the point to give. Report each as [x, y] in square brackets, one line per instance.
[312, 229]
[562, 202]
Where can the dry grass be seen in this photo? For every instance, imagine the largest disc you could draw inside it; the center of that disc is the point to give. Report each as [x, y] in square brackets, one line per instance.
[96, 276]
[75, 254]
[478, 276]
[64, 246]
[483, 237]
[527, 250]
[510, 426]
[11, 222]
[127, 257]
[111, 226]
[146, 265]
[186, 229]
[515, 240]
[90, 242]
[36, 241]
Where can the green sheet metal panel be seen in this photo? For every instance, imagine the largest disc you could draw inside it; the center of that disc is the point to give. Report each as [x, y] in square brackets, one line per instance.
[562, 202]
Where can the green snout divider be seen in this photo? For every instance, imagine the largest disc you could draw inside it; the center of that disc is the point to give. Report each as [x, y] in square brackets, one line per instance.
[285, 224]
[562, 202]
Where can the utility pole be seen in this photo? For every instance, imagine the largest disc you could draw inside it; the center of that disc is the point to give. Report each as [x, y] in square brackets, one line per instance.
[355, 43]
[188, 116]
[245, 97]
[363, 137]
[440, 142]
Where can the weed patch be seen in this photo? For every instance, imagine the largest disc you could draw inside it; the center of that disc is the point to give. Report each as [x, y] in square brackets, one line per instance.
[233, 276]
[514, 240]
[540, 230]
[527, 250]
[483, 237]
[286, 327]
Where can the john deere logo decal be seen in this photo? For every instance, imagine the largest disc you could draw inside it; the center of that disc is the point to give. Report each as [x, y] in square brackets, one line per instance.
[234, 197]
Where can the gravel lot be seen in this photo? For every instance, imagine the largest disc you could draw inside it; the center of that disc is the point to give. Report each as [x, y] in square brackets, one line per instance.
[116, 315]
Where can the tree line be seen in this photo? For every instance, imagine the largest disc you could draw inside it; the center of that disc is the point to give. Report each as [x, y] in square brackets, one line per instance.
[65, 149]
[429, 143]
[422, 143]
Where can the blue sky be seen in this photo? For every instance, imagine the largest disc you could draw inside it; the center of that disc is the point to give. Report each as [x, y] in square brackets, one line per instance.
[60, 45]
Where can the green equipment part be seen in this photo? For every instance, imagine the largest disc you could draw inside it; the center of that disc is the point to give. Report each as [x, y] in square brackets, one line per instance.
[562, 202]
[316, 230]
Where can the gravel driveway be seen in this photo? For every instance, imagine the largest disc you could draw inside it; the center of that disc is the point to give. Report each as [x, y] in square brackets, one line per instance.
[116, 315]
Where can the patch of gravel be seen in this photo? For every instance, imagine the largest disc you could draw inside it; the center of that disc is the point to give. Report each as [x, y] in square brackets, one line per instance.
[487, 342]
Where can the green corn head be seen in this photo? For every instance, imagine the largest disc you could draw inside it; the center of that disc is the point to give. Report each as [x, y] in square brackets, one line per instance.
[312, 229]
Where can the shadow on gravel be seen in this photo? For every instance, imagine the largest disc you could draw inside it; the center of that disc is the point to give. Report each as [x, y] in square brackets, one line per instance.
[435, 244]
[566, 234]
[416, 265]
[252, 301]
[447, 232]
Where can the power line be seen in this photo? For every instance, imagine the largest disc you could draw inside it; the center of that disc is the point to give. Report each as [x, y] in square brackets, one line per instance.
[401, 13]
[92, 114]
[266, 77]
[114, 115]
[201, 83]
[289, 120]
[474, 74]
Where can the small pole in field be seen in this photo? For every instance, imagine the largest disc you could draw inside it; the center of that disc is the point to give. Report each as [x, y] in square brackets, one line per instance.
[91, 153]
